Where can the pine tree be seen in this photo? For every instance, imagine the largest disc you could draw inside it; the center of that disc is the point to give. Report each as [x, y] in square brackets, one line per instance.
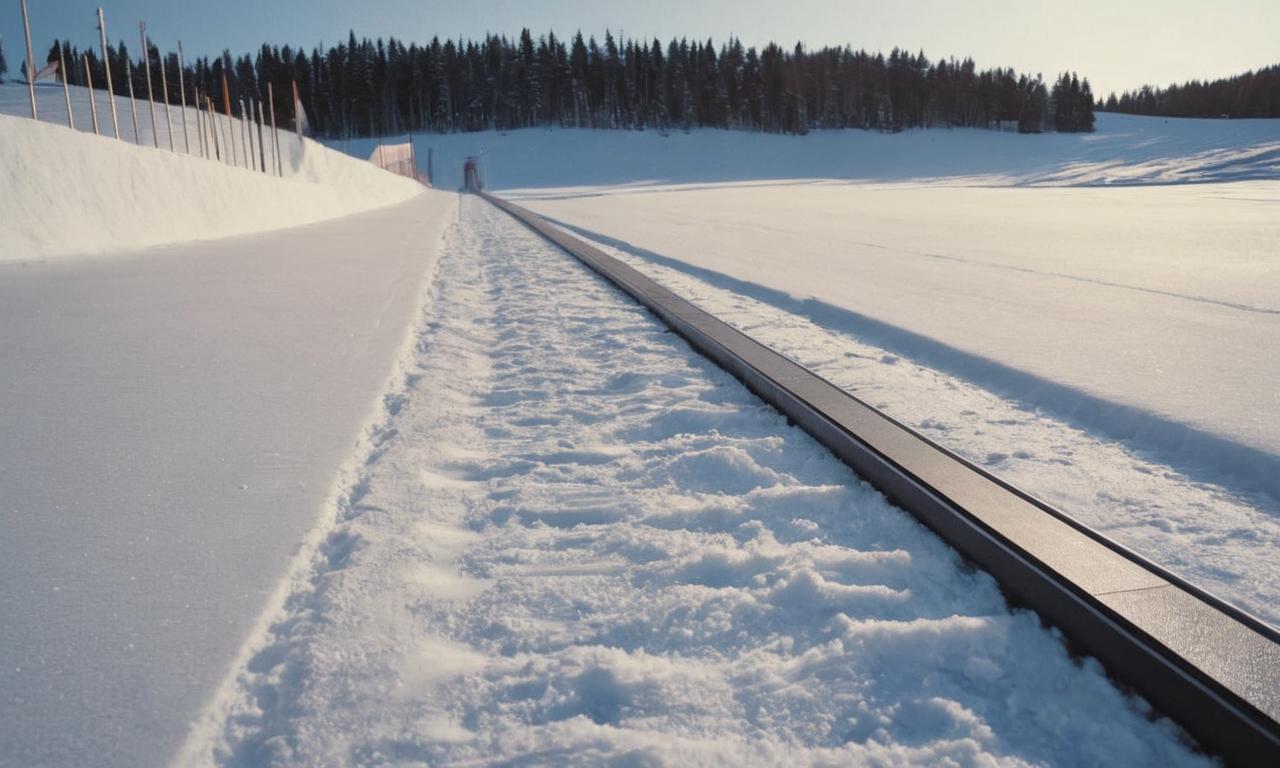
[362, 87]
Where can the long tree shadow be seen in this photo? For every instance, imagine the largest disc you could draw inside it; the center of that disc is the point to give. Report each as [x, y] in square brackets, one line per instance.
[1199, 455]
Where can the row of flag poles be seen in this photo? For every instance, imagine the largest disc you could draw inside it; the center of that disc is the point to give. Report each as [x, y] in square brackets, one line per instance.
[216, 134]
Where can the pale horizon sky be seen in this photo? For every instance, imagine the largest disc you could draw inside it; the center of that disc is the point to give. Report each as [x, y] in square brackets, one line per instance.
[1117, 45]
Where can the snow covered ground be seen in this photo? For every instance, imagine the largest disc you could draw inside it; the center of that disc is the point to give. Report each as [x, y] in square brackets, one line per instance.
[566, 538]
[172, 424]
[1124, 150]
[1108, 349]
[572, 541]
[72, 193]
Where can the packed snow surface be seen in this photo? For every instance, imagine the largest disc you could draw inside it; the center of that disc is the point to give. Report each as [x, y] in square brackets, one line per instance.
[572, 541]
[1091, 316]
[74, 193]
[172, 424]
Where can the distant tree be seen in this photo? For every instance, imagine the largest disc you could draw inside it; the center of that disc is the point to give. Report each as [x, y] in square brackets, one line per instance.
[1253, 94]
[4, 65]
[362, 87]
[1035, 105]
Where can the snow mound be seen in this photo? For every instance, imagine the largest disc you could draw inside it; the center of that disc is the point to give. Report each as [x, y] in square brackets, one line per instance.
[73, 193]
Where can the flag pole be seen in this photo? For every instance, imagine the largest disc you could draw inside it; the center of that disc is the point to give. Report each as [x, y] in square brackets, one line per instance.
[66, 89]
[146, 60]
[182, 91]
[31, 61]
[106, 62]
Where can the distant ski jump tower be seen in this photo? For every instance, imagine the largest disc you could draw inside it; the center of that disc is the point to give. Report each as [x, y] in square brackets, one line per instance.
[471, 179]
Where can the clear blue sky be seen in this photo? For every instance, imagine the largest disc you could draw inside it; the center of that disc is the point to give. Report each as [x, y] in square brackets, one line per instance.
[1118, 44]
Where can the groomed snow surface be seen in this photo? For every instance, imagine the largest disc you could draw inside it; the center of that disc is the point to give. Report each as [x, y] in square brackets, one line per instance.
[568, 539]
[1109, 350]
[575, 542]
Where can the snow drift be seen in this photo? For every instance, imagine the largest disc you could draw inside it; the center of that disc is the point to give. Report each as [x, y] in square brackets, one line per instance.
[70, 192]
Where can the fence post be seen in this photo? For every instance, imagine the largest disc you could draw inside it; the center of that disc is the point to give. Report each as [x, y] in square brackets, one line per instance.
[275, 132]
[88, 80]
[431, 176]
[262, 148]
[199, 123]
[133, 103]
[226, 102]
[182, 93]
[146, 60]
[168, 116]
[106, 60]
[211, 128]
[246, 139]
[31, 61]
[297, 111]
[66, 89]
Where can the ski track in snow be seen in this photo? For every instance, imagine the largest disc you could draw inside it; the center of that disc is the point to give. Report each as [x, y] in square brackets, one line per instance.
[1221, 539]
[575, 541]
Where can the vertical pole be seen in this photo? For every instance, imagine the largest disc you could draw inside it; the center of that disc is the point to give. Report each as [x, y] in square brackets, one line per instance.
[212, 129]
[431, 176]
[146, 59]
[168, 116]
[413, 158]
[297, 111]
[262, 147]
[228, 146]
[275, 132]
[182, 90]
[106, 60]
[66, 89]
[226, 102]
[88, 80]
[199, 124]
[133, 104]
[31, 61]
[246, 139]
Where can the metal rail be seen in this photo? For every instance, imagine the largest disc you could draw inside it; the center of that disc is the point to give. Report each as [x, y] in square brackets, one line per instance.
[1211, 667]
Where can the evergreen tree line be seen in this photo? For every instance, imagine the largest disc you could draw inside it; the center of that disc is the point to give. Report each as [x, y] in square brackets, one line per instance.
[370, 88]
[1253, 94]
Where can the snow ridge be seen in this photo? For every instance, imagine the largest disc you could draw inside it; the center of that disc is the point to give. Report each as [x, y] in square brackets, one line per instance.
[571, 538]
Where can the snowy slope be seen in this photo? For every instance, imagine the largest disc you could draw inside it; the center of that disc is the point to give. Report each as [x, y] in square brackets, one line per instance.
[574, 542]
[1124, 150]
[75, 193]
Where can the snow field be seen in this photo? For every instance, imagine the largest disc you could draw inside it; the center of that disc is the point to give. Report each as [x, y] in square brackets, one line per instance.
[72, 193]
[1104, 349]
[1220, 539]
[572, 539]
[1125, 150]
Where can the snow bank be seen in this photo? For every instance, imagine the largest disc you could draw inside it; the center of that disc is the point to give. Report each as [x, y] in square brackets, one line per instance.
[1125, 150]
[69, 192]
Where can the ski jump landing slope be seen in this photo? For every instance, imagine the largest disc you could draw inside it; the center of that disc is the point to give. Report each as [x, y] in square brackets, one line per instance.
[172, 422]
